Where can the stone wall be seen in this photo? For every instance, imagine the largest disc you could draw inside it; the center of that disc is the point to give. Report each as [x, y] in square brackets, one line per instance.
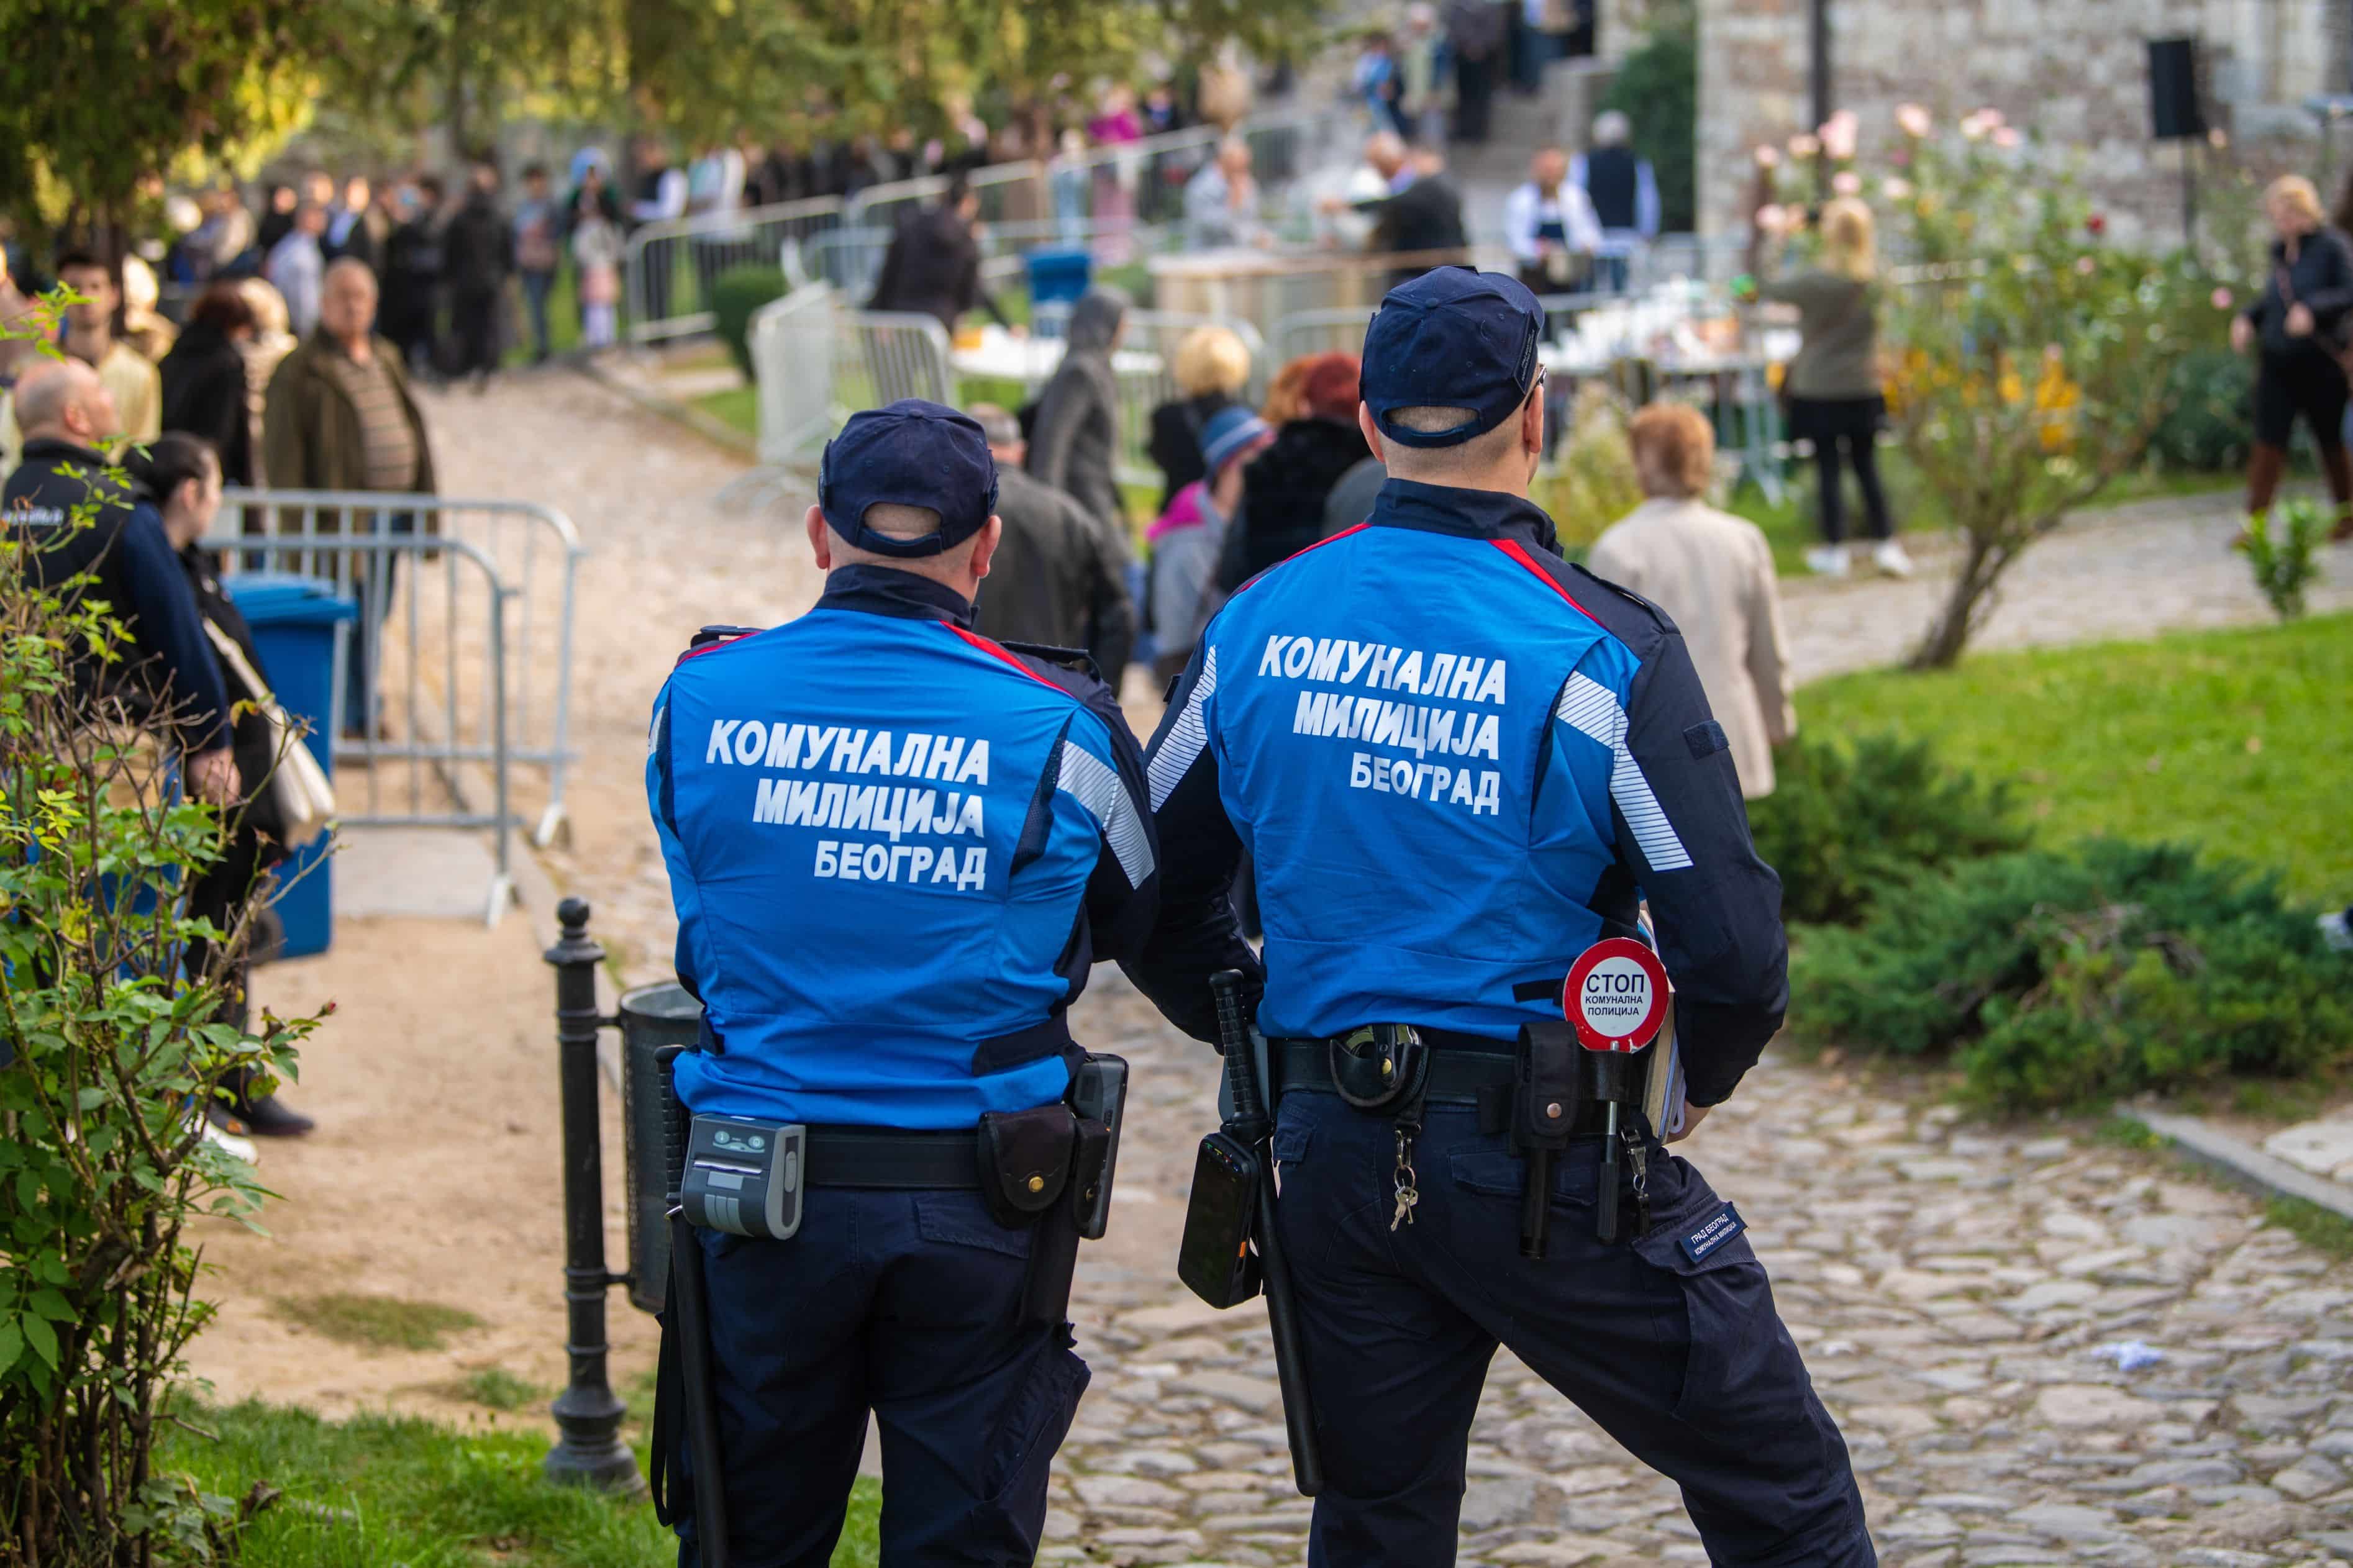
[2075, 71]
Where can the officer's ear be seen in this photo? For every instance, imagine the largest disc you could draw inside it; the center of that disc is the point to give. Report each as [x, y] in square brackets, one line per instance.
[984, 545]
[1532, 423]
[1372, 431]
[820, 538]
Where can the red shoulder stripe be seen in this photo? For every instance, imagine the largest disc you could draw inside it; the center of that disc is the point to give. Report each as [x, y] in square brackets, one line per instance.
[1513, 548]
[990, 648]
[1297, 553]
[711, 648]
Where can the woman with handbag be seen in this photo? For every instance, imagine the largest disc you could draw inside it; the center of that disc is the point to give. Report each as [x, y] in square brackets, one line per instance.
[182, 473]
[1831, 389]
[2298, 328]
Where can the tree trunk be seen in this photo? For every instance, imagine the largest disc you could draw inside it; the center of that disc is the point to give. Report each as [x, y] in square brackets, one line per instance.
[1941, 648]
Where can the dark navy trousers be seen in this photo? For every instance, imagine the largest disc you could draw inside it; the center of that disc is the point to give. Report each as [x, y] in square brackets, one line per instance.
[907, 1305]
[1683, 1362]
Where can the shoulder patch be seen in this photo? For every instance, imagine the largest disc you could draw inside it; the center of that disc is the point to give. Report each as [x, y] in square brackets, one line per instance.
[1705, 738]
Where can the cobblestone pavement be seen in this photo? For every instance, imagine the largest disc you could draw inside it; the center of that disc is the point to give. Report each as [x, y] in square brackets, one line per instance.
[1951, 1284]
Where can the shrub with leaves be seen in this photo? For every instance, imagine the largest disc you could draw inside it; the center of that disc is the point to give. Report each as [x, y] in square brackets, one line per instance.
[109, 1050]
[2065, 978]
[736, 296]
[1849, 824]
[2282, 548]
[1592, 481]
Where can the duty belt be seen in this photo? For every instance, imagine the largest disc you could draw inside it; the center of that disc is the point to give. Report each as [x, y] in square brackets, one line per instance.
[1464, 1070]
[893, 1159]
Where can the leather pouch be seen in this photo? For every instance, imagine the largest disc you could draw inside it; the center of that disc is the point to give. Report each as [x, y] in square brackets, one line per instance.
[1374, 1066]
[1548, 1086]
[1024, 1161]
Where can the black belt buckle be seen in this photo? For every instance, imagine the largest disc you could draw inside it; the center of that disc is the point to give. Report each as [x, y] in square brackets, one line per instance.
[1374, 1066]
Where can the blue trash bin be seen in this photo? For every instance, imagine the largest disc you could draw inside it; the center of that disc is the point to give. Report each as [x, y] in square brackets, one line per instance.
[298, 623]
[1059, 274]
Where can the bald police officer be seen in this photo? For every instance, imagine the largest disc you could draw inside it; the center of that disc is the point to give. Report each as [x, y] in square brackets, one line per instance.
[895, 848]
[1457, 762]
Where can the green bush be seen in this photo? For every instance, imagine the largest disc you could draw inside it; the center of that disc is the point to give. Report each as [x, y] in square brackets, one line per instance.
[1847, 825]
[2064, 978]
[110, 1048]
[2208, 425]
[2282, 546]
[736, 296]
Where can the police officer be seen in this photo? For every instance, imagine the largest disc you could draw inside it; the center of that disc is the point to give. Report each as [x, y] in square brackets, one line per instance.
[895, 848]
[1457, 762]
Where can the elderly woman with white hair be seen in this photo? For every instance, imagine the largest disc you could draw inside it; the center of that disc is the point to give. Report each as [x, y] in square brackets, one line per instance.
[1624, 191]
[2299, 326]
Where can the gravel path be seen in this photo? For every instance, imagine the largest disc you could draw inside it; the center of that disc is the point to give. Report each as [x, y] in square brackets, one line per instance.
[1951, 1284]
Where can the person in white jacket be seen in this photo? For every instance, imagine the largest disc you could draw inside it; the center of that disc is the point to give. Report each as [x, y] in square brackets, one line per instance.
[1712, 574]
[1550, 226]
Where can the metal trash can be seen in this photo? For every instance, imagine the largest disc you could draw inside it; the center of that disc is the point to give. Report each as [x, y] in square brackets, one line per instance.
[651, 1017]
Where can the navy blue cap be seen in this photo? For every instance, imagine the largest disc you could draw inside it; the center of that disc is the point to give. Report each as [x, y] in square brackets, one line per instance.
[1451, 338]
[912, 453]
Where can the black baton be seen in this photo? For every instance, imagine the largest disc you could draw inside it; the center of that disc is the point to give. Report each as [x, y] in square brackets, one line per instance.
[1252, 1126]
[688, 1292]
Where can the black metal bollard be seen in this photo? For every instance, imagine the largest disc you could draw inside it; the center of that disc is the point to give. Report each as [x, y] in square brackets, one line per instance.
[589, 1451]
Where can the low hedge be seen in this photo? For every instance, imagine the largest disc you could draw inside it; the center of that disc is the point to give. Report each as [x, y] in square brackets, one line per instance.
[1847, 824]
[736, 296]
[2062, 978]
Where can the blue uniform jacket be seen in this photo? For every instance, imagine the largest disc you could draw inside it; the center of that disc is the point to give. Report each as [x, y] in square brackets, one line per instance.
[1456, 761]
[895, 848]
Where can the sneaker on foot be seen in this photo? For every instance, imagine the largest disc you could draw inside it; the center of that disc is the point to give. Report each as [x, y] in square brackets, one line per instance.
[1827, 561]
[268, 1117]
[224, 1130]
[1889, 557]
[2336, 930]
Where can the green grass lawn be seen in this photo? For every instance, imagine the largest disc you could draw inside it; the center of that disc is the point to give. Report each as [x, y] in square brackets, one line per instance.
[376, 1491]
[2236, 740]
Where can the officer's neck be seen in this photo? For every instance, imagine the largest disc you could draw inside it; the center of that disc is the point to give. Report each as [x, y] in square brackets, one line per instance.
[891, 590]
[1509, 480]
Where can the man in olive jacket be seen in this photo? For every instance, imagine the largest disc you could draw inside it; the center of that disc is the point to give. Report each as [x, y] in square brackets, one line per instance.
[339, 417]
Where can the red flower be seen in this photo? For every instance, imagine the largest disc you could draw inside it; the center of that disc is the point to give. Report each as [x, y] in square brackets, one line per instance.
[2097, 225]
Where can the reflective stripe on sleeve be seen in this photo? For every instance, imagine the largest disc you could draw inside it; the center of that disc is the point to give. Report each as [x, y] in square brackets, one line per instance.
[1593, 711]
[1089, 780]
[1187, 737]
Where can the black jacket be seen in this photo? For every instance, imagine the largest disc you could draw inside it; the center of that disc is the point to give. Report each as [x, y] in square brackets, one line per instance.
[1285, 491]
[250, 736]
[1175, 443]
[932, 268]
[478, 248]
[130, 566]
[204, 394]
[2321, 280]
[1074, 445]
[1059, 577]
[412, 268]
[1426, 216]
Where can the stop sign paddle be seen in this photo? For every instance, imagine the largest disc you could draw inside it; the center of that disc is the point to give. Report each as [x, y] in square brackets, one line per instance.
[1617, 996]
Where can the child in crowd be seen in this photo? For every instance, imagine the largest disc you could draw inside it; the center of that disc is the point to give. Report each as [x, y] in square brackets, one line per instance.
[596, 246]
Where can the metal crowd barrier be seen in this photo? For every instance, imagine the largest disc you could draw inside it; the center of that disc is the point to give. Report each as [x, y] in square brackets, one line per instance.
[881, 356]
[850, 259]
[1142, 182]
[792, 367]
[462, 655]
[667, 268]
